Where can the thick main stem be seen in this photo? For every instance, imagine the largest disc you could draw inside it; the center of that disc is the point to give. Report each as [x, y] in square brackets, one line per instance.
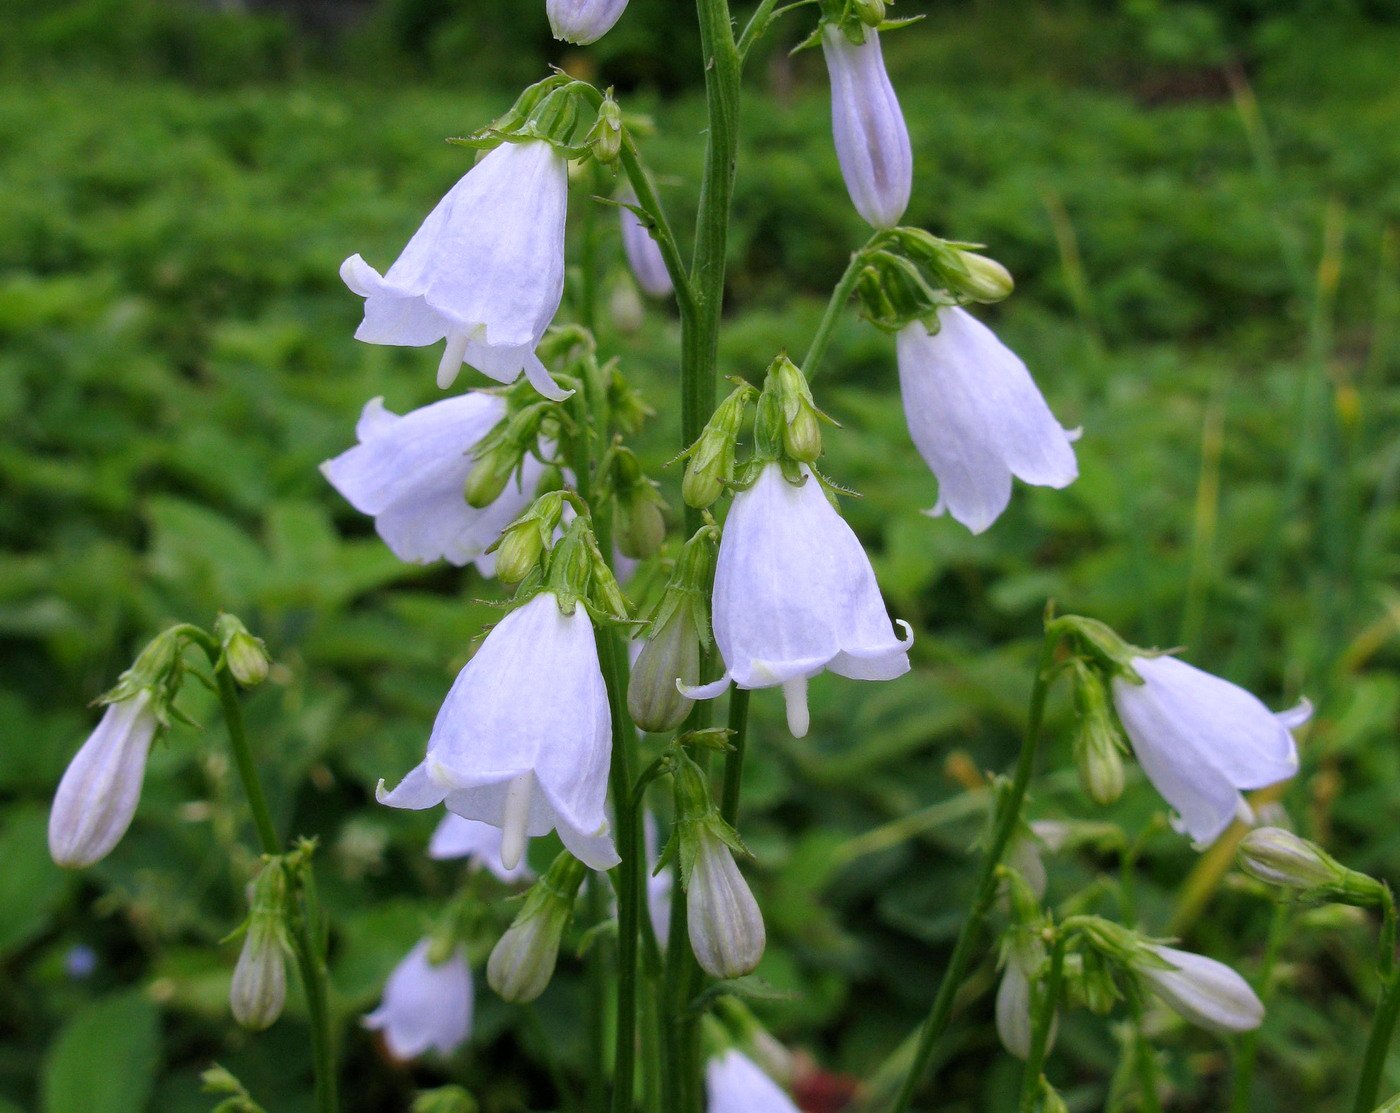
[1007, 818]
[308, 955]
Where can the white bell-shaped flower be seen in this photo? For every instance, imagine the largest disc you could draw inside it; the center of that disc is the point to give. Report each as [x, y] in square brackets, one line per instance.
[1202, 741]
[1015, 1023]
[97, 797]
[524, 737]
[1204, 992]
[723, 919]
[795, 594]
[426, 1006]
[977, 419]
[872, 140]
[479, 843]
[735, 1084]
[485, 271]
[408, 472]
[643, 254]
[583, 21]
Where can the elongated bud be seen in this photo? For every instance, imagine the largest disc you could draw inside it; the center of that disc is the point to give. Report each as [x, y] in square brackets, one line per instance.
[986, 280]
[245, 655]
[872, 140]
[499, 454]
[583, 21]
[670, 654]
[870, 12]
[488, 477]
[97, 797]
[259, 988]
[524, 541]
[711, 458]
[1202, 991]
[522, 962]
[1097, 748]
[1278, 857]
[722, 918]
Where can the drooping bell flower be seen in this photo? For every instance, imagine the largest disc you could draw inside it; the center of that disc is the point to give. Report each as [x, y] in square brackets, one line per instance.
[426, 1005]
[872, 140]
[643, 254]
[485, 271]
[479, 843]
[1202, 991]
[523, 739]
[795, 594]
[977, 419]
[735, 1084]
[583, 21]
[409, 472]
[97, 797]
[1203, 741]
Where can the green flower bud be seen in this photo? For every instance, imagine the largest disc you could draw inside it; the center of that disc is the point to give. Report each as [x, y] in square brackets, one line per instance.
[1278, 857]
[671, 653]
[640, 521]
[606, 136]
[258, 991]
[489, 476]
[244, 655]
[710, 463]
[870, 12]
[524, 541]
[522, 962]
[1098, 749]
[445, 1099]
[986, 279]
[787, 399]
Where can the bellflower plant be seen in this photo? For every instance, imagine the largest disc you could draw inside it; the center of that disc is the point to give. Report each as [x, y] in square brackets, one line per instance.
[977, 418]
[795, 595]
[485, 271]
[409, 473]
[427, 1005]
[523, 756]
[872, 139]
[1202, 741]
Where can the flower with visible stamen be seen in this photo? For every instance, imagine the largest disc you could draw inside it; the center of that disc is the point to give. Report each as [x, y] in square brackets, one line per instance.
[485, 271]
[795, 595]
[523, 740]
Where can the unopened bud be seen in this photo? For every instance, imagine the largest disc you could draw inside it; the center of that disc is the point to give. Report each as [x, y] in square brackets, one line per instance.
[1278, 857]
[787, 399]
[245, 655]
[711, 458]
[1200, 990]
[723, 919]
[488, 478]
[522, 962]
[607, 132]
[1097, 750]
[672, 653]
[523, 542]
[259, 988]
[986, 280]
[870, 12]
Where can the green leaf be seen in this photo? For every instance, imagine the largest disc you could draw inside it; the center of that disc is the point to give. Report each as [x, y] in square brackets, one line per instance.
[31, 886]
[105, 1060]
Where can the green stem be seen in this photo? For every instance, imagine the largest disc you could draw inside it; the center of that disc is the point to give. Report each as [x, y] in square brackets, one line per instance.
[1387, 1012]
[1143, 1060]
[310, 960]
[1249, 1042]
[821, 339]
[1008, 816]
[1044, 1024]
[734, 759]
[597, 1001]
[630, 894]
[648, 200]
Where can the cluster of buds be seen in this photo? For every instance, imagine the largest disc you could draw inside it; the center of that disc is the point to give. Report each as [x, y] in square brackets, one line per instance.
[909, 275]
[522, 962]
[639, 518]
[787, 426]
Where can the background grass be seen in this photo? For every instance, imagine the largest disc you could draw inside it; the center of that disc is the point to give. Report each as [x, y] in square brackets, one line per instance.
[1200, 207]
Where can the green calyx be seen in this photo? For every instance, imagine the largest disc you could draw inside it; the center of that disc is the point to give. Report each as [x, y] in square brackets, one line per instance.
[710, 460]
[787, 426]
[552, 110]
[697, 818]
[577, 573]
[908, 274]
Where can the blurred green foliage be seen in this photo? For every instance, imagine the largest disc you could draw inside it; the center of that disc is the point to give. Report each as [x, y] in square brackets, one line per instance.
[179, 188]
